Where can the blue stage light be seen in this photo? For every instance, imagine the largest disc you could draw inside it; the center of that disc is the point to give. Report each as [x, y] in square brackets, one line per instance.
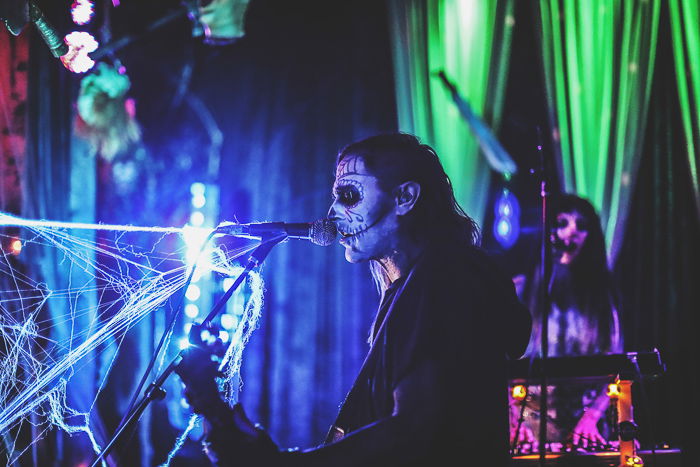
[506, 223]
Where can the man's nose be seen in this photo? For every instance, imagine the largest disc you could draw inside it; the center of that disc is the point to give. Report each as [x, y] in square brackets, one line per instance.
[332, 213]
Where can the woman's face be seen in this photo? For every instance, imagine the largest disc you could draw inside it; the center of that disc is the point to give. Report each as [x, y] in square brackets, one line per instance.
[571, 231]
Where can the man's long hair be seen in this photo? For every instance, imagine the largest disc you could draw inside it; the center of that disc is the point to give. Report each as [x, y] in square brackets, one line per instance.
[436, 218]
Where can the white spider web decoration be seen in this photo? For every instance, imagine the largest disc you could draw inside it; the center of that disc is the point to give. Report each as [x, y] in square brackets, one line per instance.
[47, 334]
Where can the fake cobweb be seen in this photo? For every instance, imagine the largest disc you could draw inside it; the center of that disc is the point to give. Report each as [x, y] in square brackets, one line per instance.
[71, 295]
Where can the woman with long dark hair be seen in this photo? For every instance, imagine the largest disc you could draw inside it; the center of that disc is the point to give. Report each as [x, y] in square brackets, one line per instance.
[583, 319]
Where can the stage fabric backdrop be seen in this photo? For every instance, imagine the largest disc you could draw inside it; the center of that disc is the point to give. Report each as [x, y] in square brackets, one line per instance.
[598, 60]
[470, 41]
[685, 30]
[59, 184]
[658, 267]
[14, 53]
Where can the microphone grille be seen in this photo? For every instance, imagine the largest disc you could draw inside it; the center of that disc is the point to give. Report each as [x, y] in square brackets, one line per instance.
[323, 232]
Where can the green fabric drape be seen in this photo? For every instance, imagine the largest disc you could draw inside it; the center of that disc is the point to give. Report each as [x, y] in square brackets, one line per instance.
[598, 59]
[470, 41]
[685, 33]
[658, 267]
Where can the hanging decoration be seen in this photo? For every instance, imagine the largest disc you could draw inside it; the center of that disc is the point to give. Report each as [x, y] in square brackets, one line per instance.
[223, 20]
[105, 116]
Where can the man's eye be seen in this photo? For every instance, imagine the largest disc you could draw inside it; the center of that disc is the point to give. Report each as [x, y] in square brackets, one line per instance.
[348, 196]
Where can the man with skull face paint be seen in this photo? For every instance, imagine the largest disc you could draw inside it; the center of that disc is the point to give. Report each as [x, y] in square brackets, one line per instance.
[432, 389]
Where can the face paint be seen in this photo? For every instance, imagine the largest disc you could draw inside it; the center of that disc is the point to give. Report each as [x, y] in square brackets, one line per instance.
[349, 166]
[360, 209]
[349, 193]
[571, 232]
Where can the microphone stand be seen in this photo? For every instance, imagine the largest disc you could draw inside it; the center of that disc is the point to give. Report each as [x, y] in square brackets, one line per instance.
[155, 391]
[545, 298]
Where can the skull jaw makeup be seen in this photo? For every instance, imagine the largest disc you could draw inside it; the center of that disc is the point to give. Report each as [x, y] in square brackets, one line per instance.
[362, 212]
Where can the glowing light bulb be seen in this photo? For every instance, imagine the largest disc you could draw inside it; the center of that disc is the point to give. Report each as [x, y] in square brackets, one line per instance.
[197, 276]
[80, 44]
[613, 390]
[183, 343]
[198, 201]
[82, 11]
[193, 292]
[228, 321]
[506, 225]
[503, 228]
[194, 238]
[506, 209]
[197, 219]
[197, 189]
[191, 310]
[519, 392]
[224, 336]
[16, 246]
[227, 283]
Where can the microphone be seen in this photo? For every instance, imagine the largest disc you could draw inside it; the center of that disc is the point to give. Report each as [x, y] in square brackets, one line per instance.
[321, 232]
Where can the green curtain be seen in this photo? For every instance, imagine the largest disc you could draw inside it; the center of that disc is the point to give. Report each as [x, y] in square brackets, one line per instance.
[470, 41]
[685, 33]
[598, 58]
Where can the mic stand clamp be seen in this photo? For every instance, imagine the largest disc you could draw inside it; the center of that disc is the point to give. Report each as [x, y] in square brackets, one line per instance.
[155, 391]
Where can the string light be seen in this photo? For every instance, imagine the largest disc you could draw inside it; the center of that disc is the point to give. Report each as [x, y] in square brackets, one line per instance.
[192, 311]
[519, 392]
[80, 44]
[16, 246]
[613, 390]
[82, 11]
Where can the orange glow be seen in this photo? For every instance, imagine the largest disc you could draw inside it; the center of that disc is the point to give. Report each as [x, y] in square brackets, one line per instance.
[16, 246]
[519, 392]
[613, 390]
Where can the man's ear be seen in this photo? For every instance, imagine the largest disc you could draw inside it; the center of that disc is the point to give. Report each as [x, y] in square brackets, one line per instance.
[406, 197]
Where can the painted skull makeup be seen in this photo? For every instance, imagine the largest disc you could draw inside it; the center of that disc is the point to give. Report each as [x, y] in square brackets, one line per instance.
[571, 232]
[360, 209]
[349, 193]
